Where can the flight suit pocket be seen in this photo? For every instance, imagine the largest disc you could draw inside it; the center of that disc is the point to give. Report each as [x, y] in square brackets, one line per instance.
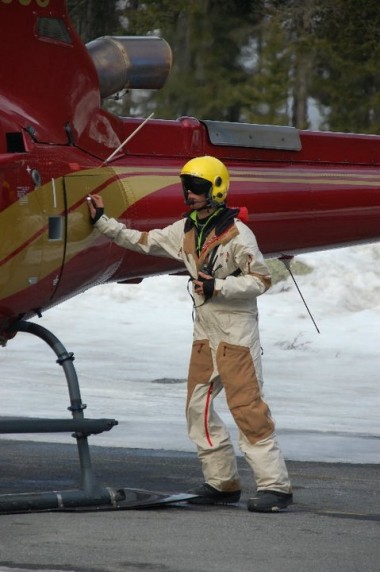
[201, 366]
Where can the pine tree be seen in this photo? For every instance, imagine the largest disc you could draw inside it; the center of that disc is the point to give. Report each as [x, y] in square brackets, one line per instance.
[253, 61]
[93, 19]
[206, 37]
[347, 80]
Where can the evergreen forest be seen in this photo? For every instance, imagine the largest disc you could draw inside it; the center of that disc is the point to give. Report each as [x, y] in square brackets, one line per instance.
[312, 64]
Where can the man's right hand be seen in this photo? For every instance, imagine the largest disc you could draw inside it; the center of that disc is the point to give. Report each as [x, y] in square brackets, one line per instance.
[96, 207]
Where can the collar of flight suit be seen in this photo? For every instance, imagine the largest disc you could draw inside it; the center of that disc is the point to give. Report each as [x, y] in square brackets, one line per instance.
[219, 229]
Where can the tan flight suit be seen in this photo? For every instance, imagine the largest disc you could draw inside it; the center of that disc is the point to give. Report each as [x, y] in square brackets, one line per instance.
[226, 349]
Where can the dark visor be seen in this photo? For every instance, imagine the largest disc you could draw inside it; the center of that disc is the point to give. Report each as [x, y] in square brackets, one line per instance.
[196, 185]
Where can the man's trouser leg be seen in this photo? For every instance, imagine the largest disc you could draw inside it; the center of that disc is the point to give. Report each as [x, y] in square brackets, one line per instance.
[206, 429]
[257, 438]
[267, 463]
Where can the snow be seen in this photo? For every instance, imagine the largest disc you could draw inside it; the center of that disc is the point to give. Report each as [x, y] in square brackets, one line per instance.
[132, 345]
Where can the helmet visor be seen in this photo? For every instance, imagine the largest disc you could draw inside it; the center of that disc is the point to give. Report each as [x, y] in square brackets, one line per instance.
[195, 185]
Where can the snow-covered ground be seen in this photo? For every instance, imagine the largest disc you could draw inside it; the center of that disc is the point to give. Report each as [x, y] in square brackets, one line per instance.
[132, 345]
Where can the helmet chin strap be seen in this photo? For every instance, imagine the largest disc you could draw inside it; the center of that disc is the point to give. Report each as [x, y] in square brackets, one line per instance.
[207, 207]
[208, 210]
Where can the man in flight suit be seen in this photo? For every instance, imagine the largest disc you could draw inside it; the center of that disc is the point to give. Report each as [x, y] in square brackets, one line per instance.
[228, 273]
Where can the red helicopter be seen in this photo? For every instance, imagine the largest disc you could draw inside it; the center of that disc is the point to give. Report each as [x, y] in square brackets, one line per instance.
[303, 190]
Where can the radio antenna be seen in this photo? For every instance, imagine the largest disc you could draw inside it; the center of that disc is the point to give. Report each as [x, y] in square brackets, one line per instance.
[126, 140]
[286, 260]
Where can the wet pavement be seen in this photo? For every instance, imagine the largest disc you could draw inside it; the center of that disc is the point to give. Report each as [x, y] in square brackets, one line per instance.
[333, 524]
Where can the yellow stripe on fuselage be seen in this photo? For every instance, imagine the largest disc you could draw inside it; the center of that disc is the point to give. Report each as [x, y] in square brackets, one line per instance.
[30, 256]
[27, 254]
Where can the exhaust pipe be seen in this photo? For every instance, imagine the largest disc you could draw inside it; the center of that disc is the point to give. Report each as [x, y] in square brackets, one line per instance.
[132, 62]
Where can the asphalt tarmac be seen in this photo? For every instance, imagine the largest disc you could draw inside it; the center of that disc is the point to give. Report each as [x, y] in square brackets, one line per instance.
[333, 524]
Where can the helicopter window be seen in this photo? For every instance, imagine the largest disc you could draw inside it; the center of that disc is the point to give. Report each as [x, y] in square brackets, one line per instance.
[55, 228]
[15, 142]
[53, 29]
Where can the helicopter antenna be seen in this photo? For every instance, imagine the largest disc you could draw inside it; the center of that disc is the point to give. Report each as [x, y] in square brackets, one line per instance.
[127, 139]
[286, 260]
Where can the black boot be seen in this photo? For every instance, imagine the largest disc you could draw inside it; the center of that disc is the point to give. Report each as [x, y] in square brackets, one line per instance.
[208, 495]
[269, 501]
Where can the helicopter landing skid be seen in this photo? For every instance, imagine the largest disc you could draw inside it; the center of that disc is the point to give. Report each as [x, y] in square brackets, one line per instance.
[91, 495]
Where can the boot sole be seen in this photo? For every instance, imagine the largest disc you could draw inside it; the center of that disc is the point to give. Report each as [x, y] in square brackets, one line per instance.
[210, 501]
[274, 508]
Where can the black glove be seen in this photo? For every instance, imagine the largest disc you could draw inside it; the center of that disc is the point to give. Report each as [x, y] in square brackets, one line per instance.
[208, 288]
[99, 212]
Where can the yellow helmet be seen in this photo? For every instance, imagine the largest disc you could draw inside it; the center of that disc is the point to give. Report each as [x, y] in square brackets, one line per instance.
[206, 176]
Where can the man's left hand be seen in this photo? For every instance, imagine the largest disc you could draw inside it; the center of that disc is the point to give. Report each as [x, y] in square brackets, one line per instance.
[204, 286]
